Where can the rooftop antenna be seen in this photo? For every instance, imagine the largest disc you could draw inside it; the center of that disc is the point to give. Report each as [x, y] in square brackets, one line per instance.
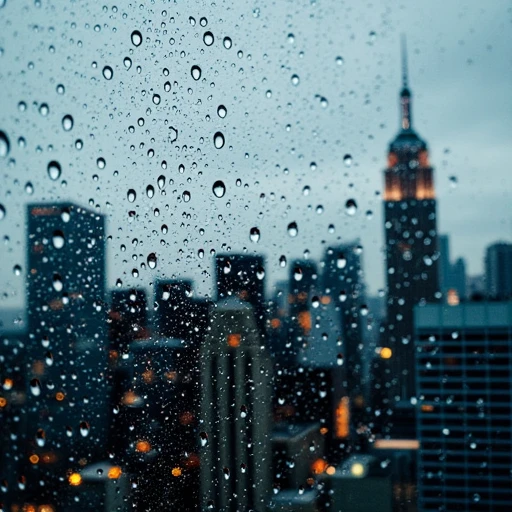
[403, 45]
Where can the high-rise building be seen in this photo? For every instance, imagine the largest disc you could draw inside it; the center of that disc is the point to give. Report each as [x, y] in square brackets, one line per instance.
[128, 318]
[343, 284]
[243, 276]
[67, 350]
[235, 424]
[464, 413]
[498, 271]
[411, 241]
[13, 395]
[452, 276]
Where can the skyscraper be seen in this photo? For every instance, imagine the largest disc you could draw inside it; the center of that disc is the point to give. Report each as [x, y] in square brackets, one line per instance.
[235, 411]
[67, 347]
[498, 271]
[243, 276]
[411, 240]
[465, 410]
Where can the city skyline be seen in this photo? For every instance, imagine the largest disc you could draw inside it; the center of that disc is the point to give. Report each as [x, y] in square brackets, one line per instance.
[361, 80]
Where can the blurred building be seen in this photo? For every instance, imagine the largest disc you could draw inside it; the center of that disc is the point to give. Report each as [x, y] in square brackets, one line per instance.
[343, 285]
[411, 241]
[128, 319]
[67, 351]
[452, 276]
[236, 472]
[13, 396]
[243, 276]
[465, 410]
[498, 271]
[178, 314]
[159, 415]
[360, 484]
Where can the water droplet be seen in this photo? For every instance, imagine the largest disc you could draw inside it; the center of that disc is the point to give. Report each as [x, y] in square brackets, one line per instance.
[195, 72]
[297, 273]
[131, 195]
[226, 473]
[339, 61]
[67, 123]
[108, 73]
[150, 191]
[84, 428]
[364, 310]
[453, 181]
[186, 196]
[260, 273]
[243, 411]
[156, 99]
[295, 80]
[372, 35]
[291, 38]
[152, 260]
[218, 140]
[342, 296]
[17, 270]
[44, 109]
[79, 144]
[203, 22]
[339, 359]
[127, 62]
[219, 189]
[54, 170]
[282, 261]
[35, 387]
[227, 43]
[293, 230]
[347, 160]
[5, 145]
[208, 38]
[100, 162]
[254, 235]
[350, 207]
[29, 188]
[2, 211]
[315, 302]
[222, 111]
[58, 239]
[136, 38]
[192, 21]
[306, 190]
[161, 181]
[40, 437]
[341, 261]
[203, 436]
[60, 89]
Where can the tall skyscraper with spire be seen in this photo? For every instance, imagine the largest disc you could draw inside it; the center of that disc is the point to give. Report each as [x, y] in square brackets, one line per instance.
[411, 240]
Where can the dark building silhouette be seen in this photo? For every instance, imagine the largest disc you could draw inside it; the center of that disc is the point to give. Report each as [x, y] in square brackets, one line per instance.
[465, 410]
[452, 276]
[343, 284]
[13, 396]
[498, 271]
[67, 352]
[128, 318]
[243, 276]
[160, 421]
[235, 411]
[411, 241]
[178, 314]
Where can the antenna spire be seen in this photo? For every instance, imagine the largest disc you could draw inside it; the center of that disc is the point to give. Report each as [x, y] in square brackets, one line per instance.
[405, 95]
[405, 77]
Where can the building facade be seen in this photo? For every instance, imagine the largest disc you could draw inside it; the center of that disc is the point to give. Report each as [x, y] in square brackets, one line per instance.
[236, 458]
[411, 242]
[464, 418]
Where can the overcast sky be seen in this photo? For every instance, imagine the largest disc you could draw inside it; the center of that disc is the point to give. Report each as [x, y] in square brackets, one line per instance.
[460, 75]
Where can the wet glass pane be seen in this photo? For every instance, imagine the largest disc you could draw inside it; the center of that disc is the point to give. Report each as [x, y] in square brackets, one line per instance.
[255, 256]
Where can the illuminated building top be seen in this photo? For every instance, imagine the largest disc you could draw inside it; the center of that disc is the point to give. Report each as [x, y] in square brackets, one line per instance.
[409, 175]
